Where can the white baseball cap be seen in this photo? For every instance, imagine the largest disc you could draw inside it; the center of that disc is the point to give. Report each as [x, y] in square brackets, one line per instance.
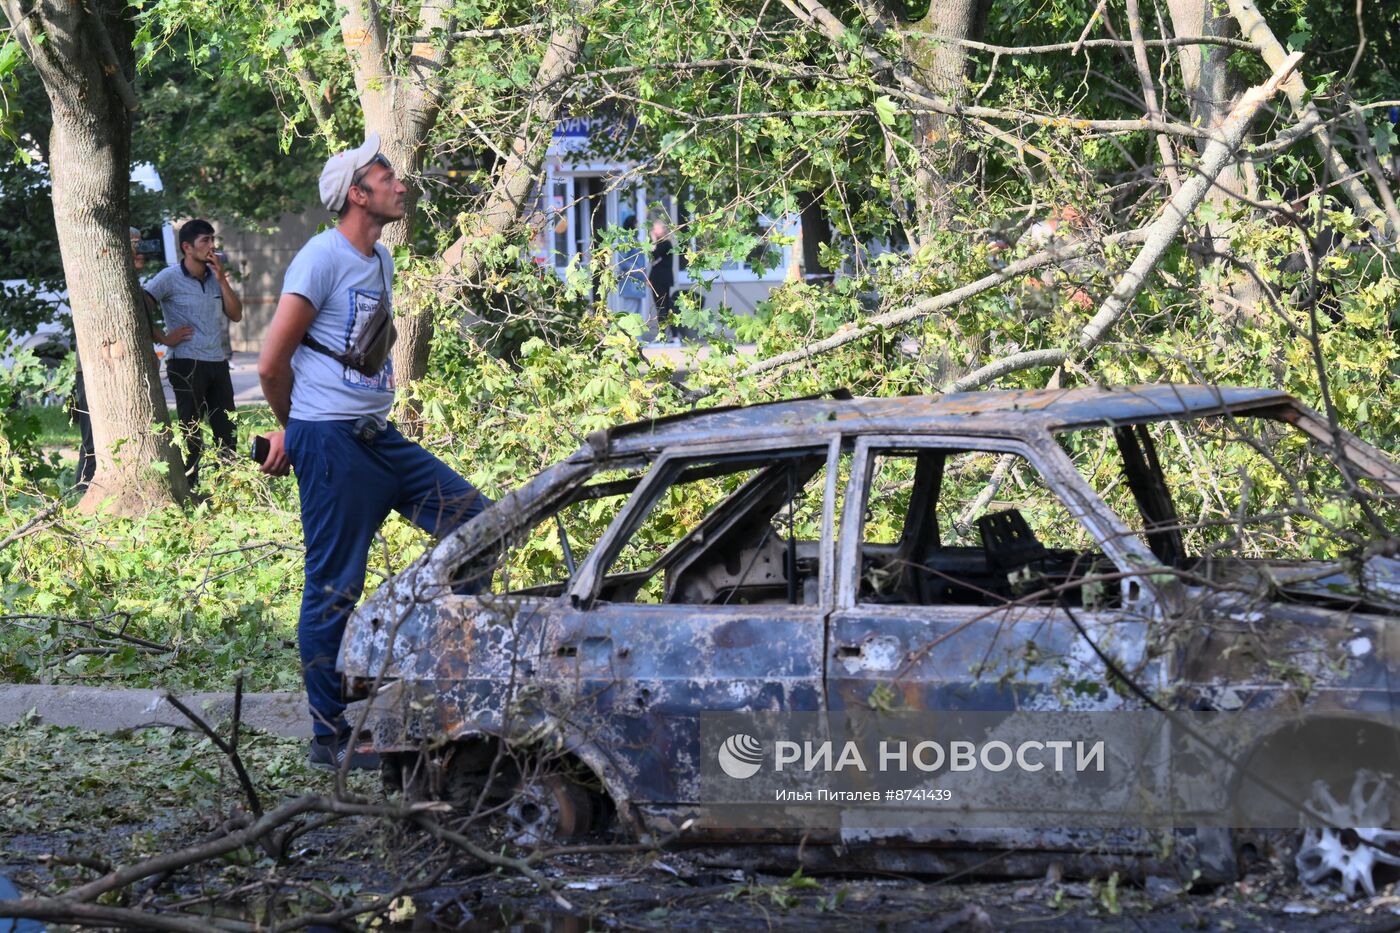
[341, 168]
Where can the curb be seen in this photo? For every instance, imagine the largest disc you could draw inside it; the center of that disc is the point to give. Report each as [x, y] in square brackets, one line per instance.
[104, 709]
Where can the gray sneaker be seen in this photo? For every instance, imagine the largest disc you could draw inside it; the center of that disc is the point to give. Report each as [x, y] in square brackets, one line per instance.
[328, 752]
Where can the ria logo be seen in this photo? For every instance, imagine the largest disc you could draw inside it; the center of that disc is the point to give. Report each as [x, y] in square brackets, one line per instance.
[741, 756]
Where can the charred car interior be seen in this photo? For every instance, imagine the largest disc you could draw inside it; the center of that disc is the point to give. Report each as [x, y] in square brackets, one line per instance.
[1227, 548]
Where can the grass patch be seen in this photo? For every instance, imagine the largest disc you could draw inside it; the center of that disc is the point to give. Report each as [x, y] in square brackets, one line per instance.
[54, 427]
[213, 588]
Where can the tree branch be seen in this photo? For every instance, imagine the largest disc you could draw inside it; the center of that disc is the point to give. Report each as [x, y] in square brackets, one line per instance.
[111, 65]
[510, 188]
[1253, 25]
[937, 303]
[30, 525]
[321, 109]
[1149, 94]
[1160, 235]
[229, 748]
[1173, 42]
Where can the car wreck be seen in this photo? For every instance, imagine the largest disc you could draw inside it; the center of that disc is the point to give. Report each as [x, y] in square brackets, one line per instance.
[1211, 548]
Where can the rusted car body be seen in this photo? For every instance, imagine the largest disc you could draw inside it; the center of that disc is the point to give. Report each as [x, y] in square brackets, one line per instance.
[740, 609]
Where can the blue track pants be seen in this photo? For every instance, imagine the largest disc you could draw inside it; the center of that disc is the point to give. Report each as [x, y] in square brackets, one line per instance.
[347, 489]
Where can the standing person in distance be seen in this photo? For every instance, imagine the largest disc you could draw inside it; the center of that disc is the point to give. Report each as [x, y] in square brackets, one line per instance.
[352, 465]
[195, 293]
[661, 277]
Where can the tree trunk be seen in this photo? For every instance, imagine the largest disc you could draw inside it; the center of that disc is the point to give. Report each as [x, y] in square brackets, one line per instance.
[1212, 89]
[87, 82]
[940, 64]
[402, 108]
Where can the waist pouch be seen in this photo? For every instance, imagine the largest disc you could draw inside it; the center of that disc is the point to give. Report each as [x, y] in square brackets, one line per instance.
[369, 350]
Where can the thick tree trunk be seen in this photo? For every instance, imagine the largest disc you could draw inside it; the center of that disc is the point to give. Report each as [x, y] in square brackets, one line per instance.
[940, 64]
[402, 108]
[1212, 89]
[86, 79]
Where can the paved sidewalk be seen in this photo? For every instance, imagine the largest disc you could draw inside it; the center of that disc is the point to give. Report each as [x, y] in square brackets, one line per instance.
[104, 709]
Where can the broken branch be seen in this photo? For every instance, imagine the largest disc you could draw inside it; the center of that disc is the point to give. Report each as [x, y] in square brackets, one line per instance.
[1159, 235]
[937, 303]
[1253, 26]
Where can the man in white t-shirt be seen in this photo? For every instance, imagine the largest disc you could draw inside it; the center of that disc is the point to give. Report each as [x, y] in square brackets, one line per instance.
[352, 466]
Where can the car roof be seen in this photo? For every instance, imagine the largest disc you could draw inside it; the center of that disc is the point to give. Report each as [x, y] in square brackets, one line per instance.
[1017, 413]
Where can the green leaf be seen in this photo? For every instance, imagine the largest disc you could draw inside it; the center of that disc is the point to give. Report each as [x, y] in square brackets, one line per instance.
[1302, 33]
[10, 57]
[1384, 139]
[885, 109]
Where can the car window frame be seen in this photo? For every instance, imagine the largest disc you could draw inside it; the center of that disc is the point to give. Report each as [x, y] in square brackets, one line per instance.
[1119, 544]
[670, 463]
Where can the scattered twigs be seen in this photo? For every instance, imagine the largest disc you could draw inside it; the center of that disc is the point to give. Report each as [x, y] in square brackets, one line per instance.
[34, 524]
[228, 747]
[76, 905]
[463, 842]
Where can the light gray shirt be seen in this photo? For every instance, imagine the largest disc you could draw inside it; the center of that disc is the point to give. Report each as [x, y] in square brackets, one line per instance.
[343, 285]
[185, 299]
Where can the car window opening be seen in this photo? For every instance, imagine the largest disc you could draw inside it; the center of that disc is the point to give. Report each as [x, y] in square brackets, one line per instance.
[961, 527]
[733, 531]
[1234, 497]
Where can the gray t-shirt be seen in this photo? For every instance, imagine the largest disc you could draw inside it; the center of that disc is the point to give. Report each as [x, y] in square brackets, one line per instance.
[343, 285]
[185, 299]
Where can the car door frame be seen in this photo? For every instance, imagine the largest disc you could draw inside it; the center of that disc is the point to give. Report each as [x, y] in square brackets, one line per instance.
[653, 669]
[1140, 593]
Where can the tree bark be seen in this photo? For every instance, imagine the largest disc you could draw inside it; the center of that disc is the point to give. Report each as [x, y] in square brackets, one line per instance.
[1212, 89]
[84, 60]
[402, 107]
[934, 46]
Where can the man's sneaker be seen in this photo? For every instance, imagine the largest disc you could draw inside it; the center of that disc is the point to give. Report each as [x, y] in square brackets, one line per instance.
[328, 752]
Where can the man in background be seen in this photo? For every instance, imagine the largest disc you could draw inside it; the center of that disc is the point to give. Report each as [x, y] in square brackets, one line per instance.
[195, 292]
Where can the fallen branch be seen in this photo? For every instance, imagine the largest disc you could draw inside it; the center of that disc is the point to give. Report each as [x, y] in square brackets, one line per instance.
[29, 526]
[230, 747]
[1253, 26]
[1160, 234]
[938, 302]
[95, 626]
[76, 904]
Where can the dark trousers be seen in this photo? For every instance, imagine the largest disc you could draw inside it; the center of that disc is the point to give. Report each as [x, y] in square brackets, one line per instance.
[203, 389]
[87, 458]
[347, 489]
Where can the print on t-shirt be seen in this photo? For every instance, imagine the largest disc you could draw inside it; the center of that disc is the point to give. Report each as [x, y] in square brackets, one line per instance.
[364, 303]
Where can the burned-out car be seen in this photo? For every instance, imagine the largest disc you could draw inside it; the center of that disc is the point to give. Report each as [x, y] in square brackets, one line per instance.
[1163, 547]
